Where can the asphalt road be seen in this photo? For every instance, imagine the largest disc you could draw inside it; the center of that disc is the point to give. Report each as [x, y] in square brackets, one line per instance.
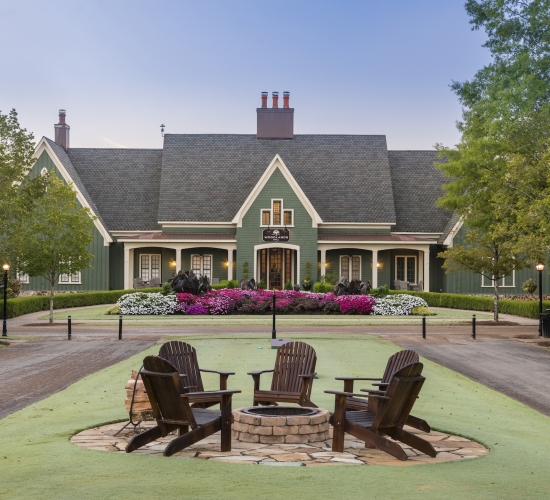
[32, 371]
[519, 370]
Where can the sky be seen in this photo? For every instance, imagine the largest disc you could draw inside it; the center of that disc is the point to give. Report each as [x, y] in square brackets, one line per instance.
[121, 68]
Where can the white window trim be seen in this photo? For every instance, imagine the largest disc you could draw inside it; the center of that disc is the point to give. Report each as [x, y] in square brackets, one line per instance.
[150, 269]
[415, 257]
[360, 266]
[27, 281]
[43, 172]
[201, 255]
[270, 210]
[483, 278]
[70, 282]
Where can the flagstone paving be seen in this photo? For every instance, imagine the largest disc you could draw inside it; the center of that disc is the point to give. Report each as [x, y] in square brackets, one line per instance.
[450, 448]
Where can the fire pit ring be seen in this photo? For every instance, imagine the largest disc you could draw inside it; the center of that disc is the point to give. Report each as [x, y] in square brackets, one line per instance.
[262, 424]
[279, 411]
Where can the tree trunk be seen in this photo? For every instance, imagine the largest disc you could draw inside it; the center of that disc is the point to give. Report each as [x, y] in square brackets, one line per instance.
[51, 302]
[495, 300]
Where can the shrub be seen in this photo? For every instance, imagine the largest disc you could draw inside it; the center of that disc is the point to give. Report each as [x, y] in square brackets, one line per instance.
[421, 311]
[381, 291]
[322, 287]
[113, 310]
[331, 278]
[166, 288]
[245, 270]
[288, 285]
[262, 285]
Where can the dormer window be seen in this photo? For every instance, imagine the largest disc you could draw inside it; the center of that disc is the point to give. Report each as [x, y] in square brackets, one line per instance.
[277, 215]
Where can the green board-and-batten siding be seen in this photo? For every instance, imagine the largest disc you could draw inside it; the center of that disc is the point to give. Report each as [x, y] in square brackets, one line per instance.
[93, 278]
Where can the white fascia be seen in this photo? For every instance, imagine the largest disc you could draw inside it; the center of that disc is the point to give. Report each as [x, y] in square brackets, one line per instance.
[44, 146]
[188, 224]
[357, 225]
[277, 162]
[450, 237]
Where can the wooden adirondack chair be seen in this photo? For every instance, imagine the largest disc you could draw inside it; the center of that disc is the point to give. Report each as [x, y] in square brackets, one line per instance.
[292, 376]
[395, 363]
[393, 410]
[172, 411]
[184, 357]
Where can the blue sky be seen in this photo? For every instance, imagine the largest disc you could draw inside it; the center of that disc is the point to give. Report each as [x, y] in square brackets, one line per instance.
[121, 68]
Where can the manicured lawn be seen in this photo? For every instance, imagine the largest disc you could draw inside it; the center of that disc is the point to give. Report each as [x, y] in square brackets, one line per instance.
[38, 461]
[97, 313]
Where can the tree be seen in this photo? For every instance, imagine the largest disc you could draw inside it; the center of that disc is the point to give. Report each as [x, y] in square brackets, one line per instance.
[16, 159]
[499, 171]
[55, 235]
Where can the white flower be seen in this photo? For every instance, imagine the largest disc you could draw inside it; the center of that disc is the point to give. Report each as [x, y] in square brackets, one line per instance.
[146, 303]
[397, 305]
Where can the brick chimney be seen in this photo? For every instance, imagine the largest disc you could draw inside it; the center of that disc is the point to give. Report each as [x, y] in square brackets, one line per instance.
[62, 131]
[275, 122]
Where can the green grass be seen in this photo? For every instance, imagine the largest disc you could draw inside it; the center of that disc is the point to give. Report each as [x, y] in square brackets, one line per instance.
[96, 314]
[38, 461]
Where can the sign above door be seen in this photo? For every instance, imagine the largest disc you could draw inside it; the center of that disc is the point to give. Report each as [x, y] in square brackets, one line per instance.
[276, 235]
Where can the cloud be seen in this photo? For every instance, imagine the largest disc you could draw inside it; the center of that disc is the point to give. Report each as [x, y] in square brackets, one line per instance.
[112, 143]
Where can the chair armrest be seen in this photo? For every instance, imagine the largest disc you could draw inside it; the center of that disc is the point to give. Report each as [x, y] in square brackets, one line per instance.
[259, 372]
[382, 384]
[309, 375]
[219, 372]
[355, 378]
[351, 394]
[210, 393]
[372, 392]
[189, 386]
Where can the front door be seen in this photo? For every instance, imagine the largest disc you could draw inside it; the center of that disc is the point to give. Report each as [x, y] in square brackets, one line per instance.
[276, 269]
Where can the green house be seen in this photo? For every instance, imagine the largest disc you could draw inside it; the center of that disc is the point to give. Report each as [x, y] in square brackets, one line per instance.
[275, 200]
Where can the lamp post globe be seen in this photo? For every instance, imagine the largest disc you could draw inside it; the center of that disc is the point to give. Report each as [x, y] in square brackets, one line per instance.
[540, 267]
[6, 268]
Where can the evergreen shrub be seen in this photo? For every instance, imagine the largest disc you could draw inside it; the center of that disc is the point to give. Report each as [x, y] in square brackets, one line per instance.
[322, 287]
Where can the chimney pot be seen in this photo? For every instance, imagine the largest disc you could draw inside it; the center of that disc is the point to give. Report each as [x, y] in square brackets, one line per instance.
[264, 99]
[275, 99]
[62, 131]
[286, 98]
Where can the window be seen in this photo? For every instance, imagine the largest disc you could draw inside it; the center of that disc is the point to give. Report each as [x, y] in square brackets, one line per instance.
[202, 264]
[350, 267]
[405, 268]
[70, 279]
[44, 172]
[277, 216]
[149, 266]
[507, 281]
[24, 278]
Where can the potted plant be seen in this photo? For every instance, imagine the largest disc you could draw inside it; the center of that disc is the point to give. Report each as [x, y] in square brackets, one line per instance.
[307, 278]
[529, 285]
[14, 285]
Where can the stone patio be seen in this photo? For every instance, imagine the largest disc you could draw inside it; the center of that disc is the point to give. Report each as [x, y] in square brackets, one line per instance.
[450, 448]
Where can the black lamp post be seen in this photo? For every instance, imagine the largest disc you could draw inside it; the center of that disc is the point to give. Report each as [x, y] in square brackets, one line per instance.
[540, 267]
[6, 268]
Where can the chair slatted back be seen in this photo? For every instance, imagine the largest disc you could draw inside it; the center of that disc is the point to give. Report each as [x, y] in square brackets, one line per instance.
[397, 361]
[293, 359]
[161, 381]
[402, 392]
[184, 357]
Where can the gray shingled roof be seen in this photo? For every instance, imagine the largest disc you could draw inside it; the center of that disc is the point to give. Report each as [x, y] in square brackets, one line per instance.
[448, 228]
[416, 188]
[124, 183]
[69, 167]
[208, 177]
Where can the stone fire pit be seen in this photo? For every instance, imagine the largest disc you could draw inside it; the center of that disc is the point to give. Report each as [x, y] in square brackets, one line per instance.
[280, 424]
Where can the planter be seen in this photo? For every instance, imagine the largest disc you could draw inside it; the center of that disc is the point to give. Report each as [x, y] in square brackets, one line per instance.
[15, 288]
[306, 287]
[532, 288]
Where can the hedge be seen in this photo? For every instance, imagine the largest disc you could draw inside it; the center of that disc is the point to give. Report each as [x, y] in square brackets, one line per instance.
[26, 305]
[322, 287]
[527, 309]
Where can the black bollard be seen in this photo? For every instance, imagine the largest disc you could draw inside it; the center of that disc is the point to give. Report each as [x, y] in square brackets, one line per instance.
[69, 327]
[474, 326]
[423, 326]
[120, 327]
[273, 331]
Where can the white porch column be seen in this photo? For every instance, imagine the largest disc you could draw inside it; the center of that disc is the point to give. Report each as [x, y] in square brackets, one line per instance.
[323, 262]
[230, 264]
[427, 270]
[298, 262]
[374, 268]
[127, 273]
[178, 260]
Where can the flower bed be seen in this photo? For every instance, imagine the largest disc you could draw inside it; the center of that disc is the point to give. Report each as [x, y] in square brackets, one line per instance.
[235, 301]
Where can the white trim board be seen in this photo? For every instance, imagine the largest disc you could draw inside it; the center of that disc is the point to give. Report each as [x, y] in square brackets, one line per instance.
[277, 163]
[44, 146]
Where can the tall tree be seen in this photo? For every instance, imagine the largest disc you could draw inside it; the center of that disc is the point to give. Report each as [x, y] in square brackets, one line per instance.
[56, 235]
[499, 171]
